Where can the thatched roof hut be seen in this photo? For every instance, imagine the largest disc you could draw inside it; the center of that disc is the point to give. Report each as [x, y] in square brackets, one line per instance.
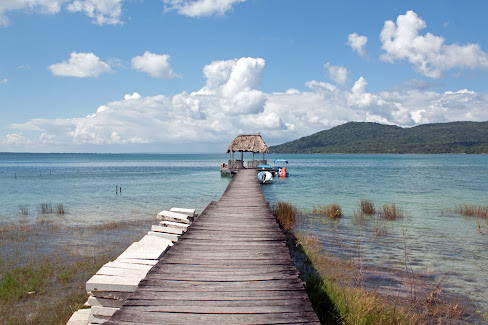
[248, 143]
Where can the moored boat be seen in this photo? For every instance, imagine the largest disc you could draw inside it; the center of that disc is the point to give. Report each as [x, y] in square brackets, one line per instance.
[265, 177]
[280, 167]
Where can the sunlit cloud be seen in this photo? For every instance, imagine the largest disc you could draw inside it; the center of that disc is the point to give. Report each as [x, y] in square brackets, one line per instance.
[80, 65]
[428, 54]
[200, 8]
[338, 74]
[357, 43]
[155, 65]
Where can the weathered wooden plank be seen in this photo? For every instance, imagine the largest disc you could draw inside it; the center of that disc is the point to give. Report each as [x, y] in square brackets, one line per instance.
[174, 216]
[79, 317]
[169, 230]
[129, 266]
[187, 318]
[114, 271]
[219, 295]
[290, 302]
[168, 285]
[225, 269]
[104, 302]
[155, 240]
[219, 277]
[171, 224]
[198, 309]
[189, 212]
[173, 238]
[112, 283]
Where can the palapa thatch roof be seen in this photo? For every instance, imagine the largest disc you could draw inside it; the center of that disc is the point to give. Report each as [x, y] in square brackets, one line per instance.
[248, 143]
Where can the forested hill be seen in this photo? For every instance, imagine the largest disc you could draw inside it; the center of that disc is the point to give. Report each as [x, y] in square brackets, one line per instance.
[362, 137]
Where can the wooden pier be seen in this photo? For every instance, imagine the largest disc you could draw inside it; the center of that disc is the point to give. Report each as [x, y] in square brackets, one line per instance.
[231, 267]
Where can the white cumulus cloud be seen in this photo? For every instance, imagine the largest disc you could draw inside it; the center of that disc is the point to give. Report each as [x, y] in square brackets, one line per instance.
[200, 8]
[357, 43]
[337, 73]
[102, 11]
[428, 54]
[80, 65]
[155, 65]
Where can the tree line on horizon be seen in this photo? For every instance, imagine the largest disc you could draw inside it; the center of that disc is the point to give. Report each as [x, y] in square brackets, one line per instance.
[368, 137]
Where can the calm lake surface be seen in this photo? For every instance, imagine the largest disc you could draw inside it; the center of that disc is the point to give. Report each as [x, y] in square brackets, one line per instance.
[440, 243]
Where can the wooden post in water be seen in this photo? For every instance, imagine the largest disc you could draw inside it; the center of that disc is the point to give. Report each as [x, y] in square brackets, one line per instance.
[116, 190]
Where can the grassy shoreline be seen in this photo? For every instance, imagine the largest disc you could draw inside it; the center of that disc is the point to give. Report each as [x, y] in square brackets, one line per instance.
[338, 295]
[44, 266]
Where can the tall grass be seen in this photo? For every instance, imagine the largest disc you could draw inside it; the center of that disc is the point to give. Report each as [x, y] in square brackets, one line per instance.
[331, 284]
[61, 209]
[367, 207]
[332, 211]
[45, 208]
[286, 215]
[331, 289]
[47, 291]
[20, 282]
[391, 212]
[470, 210]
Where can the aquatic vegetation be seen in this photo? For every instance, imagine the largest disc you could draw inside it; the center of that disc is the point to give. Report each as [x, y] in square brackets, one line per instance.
[45, 208]
[286, 215]
[332, 210]
[367, 207]
[50, 285]
[390, 212]
[20, 282]
[470, 210]
[24, 209]
[61, 209]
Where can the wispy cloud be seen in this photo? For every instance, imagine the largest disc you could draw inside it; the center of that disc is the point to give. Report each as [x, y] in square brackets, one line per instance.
[102, 11]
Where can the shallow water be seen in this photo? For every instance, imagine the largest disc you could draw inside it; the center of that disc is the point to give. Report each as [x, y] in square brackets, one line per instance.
[427, 187]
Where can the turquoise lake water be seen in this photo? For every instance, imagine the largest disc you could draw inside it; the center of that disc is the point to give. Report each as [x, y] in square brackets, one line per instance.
[427, 187]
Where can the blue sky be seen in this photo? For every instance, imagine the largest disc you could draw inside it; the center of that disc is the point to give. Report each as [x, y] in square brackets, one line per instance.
[189, 75]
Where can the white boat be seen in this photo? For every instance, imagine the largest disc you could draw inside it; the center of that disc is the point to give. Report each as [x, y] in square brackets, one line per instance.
[265, 177]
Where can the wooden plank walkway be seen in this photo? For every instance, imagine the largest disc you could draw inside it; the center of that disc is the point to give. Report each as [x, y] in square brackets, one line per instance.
[231, 267]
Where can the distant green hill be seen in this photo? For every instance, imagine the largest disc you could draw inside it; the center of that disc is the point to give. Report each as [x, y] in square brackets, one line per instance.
[362, 137]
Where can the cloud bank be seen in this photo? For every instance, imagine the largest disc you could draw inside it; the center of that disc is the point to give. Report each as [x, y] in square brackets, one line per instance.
[230, 102]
